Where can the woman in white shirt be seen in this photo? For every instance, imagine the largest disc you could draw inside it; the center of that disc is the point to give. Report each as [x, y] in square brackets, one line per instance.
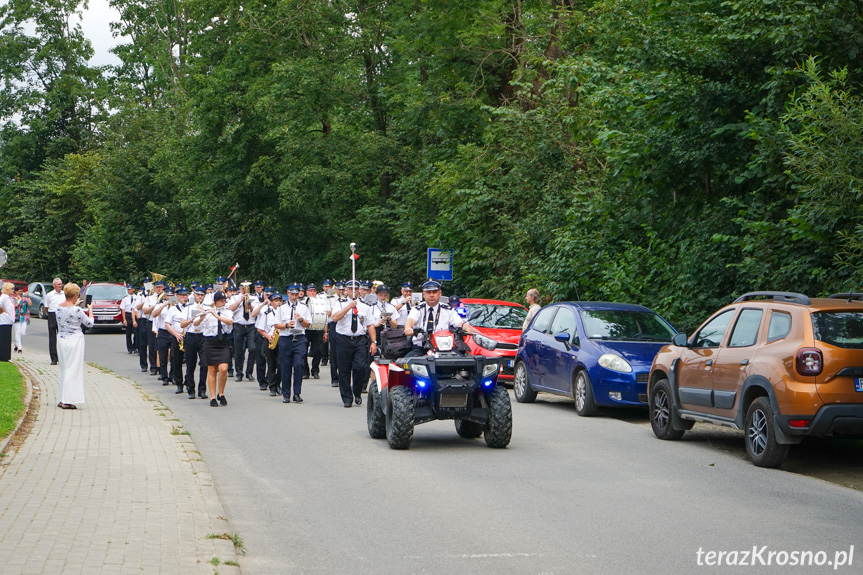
[217, 323]
[70, 346]
[7, 318]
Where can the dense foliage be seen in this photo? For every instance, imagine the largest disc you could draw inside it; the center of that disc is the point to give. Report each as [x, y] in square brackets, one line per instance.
[665, 153]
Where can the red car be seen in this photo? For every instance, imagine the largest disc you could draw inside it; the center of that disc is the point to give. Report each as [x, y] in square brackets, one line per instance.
[501, 321]
[106, 303]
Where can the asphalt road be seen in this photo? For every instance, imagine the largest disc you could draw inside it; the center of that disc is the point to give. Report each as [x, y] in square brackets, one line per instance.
[310, 492]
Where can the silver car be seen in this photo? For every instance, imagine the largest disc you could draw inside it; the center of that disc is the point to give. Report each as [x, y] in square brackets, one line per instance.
[38, 291]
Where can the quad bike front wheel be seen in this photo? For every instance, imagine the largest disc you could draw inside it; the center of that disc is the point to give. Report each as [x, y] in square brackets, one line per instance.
[375, 414]
[498, 432]
[400, 417]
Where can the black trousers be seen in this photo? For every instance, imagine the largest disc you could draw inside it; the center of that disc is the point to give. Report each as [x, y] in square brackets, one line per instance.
[52, 336]
[316, 341]
[231, 351]
[272, 372]
[333, 338]
[260, 360]
[177, 361]
[164, 339]
[131, 335]
[292, 357]
[152, 345]
[194, 346]
[244, 337]
[144, 341]
[325, 349]
[352, 356]
[6, 342]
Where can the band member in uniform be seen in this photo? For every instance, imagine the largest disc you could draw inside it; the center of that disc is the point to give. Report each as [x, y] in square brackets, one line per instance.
[293, 319]
[173, 323]
[377, 322]
[404, 303]
[243, 332]
[431, 315]
[256, 298]
[351, 318]
[336, 302]
[126, 305]
[315, 337]
[217, 323]
[269, 375]
[143, 326]
[163, 336]
[231, 293]
[157, 296]
[193, 342]
[327, 287]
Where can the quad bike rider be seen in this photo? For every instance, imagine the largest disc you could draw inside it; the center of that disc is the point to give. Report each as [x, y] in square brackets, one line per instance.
[437, 378]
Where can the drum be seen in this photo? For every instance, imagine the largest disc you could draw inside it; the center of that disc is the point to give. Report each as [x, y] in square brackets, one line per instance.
[318, 306]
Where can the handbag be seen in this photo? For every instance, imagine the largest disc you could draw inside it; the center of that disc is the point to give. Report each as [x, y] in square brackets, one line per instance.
[394, 343]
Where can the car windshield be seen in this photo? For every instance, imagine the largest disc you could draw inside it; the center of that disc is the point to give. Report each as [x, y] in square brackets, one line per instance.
[107, 292]
[496, 316]
[625, 325]
[840, 329]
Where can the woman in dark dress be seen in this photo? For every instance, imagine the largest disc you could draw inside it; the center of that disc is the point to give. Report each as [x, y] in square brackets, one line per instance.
[217, 323]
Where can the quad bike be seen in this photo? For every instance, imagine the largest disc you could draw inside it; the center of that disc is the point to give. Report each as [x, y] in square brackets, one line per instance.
[445, 383]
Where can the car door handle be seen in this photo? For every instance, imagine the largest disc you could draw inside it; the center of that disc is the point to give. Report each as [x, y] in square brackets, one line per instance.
[744, 362]
[709, 362]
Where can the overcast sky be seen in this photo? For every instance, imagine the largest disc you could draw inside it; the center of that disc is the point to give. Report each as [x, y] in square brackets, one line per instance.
[96, 23]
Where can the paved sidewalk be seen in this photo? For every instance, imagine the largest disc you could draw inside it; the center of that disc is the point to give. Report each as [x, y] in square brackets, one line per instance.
[111, 487]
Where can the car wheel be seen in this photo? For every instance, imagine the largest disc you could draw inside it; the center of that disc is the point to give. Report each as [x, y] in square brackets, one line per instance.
[761, 445]
[582, 393]
[661, 409]
[468, 429]
[42, 314]
[375, 413]
[400, 418]
[521, 384]
[498, 432]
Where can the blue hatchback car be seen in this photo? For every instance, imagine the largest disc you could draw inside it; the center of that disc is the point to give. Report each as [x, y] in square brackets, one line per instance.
[598, 353]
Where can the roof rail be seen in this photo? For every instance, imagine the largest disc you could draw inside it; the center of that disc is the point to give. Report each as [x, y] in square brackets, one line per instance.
[846, 295]
[780, 296]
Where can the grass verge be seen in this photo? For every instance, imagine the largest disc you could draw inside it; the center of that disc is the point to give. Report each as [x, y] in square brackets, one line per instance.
[12, 394]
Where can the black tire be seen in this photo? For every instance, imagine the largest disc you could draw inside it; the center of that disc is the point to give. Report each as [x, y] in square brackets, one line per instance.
[375, 414]
[761, 445]
[42, 313]
[582, 393]
[400, 418]
[524, 393]
[661, 410]
[468, 429]
[498, 432]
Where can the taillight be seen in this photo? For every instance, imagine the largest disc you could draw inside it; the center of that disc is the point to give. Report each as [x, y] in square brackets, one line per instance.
[809, 361]
[798, 422]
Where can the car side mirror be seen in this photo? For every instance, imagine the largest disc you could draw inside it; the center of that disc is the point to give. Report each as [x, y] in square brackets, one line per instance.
[474, 314]
[563, 338]
[679, 340]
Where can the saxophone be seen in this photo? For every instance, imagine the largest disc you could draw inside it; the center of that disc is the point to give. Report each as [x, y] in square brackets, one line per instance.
[275, 340]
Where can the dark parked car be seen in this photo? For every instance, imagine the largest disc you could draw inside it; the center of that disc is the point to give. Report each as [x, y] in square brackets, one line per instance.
[38, 291]
[598, 353]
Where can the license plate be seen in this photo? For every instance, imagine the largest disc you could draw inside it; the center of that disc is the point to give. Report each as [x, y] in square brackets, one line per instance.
[453, 400]
[858, 384]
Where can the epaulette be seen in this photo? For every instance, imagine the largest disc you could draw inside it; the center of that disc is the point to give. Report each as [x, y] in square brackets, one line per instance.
[445, 306]
[420, 305]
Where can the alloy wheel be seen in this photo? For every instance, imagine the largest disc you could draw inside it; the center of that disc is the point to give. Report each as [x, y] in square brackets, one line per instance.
[757, 432]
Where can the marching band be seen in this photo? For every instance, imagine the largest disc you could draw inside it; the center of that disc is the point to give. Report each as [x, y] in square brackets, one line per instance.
[274, 339]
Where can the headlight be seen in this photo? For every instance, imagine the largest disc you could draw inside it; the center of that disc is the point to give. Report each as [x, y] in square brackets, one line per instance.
[490, 368]
[443, 342]
[484, 342]
[615, 363]
[419, 369]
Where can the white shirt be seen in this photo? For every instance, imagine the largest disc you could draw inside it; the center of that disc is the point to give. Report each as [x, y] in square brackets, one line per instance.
[208, 299]
[188, 314]
[287, 312]
[265, 313]
[404, 310]
[379, 308]
[343, 326]
[211, 324]
[444, 317]
[238, 313]
[159, 320]
[174, 315]
[53, 299]
[126, 303]
[150, 301]
[8, 307]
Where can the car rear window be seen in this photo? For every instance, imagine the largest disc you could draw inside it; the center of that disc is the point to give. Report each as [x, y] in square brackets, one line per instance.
[107, 292]
[839, 328]
[625, 325]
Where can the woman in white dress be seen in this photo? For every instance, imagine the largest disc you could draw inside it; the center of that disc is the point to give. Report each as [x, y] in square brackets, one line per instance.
[70, 346]
[7, 318]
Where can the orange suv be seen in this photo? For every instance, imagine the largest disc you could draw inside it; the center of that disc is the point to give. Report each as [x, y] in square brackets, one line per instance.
[778, 365]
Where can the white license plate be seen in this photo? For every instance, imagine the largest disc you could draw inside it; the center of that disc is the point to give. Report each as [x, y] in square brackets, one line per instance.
[858, 384]
[510, 363]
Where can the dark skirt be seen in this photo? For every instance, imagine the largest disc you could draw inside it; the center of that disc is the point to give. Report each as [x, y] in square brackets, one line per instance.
[216, 353]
